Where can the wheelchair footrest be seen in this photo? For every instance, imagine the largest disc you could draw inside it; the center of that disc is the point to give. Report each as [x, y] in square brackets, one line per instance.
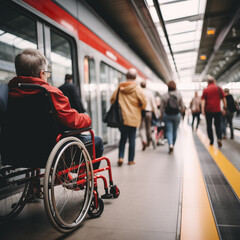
[107, 196]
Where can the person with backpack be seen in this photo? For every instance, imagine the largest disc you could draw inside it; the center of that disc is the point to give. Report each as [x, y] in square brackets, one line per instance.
[171, 108]
[231, 108]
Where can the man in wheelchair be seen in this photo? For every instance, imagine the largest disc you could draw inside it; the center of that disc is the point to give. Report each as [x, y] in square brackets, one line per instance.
[39, 129]
[31, 68]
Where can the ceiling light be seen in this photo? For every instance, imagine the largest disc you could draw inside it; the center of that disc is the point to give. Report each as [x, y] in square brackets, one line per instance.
[203, 57]
[238, 46]
[211, 31]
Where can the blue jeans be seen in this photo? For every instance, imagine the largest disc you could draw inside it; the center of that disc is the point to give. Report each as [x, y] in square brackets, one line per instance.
[171, 124]
[127, 133]
[98, 146]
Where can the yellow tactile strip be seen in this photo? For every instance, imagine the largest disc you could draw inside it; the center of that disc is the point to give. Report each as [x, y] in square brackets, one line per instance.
[229, 171]
[197, 220]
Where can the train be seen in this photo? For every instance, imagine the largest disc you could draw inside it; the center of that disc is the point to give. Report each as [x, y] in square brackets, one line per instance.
[77, 41]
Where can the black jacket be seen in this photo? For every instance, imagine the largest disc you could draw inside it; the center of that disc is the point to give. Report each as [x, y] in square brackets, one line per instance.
[70, 90]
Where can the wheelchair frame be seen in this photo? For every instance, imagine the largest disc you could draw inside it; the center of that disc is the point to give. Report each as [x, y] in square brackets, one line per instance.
[68, 173]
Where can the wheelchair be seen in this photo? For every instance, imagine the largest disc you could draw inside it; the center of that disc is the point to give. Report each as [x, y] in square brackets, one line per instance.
[33, 146]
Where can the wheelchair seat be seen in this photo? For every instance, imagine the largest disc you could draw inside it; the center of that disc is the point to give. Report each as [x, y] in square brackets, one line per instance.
[30, 130]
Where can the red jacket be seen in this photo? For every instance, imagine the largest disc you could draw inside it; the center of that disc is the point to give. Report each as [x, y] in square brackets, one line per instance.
[67, 116]
[212, 96]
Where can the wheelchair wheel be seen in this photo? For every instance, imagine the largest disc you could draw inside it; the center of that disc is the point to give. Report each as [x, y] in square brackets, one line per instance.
[68, 184]
[93, 211]
[13, 196]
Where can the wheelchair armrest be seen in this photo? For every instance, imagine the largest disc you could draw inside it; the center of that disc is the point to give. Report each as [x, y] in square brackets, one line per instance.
[75, 131]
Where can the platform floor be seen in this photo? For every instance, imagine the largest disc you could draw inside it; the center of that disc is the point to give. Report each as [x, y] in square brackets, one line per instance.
[155, 193]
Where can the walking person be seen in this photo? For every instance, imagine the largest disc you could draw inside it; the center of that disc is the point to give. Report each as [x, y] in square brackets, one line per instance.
[195, 106]
[231, 108]
[172, 107]
[146, 122]
[70, 90]
[211, 109]
[132, 101]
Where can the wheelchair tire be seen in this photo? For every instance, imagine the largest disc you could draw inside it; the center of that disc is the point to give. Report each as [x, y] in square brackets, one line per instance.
[13, 196]
[68, 184]
[93, 211]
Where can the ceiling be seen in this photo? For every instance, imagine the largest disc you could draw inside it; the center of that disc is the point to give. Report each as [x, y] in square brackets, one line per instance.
[171, 35]
[222, 50]
[132, 21]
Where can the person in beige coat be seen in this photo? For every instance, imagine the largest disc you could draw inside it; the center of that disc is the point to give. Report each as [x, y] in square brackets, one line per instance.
[132, 101]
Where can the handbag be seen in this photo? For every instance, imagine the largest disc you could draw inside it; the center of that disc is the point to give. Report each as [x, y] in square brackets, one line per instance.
[113, 117]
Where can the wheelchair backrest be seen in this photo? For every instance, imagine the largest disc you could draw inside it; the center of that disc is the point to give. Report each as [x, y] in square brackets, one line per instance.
[31, 128]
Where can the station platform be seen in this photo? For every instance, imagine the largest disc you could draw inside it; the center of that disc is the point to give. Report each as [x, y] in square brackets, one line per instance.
[190, 194]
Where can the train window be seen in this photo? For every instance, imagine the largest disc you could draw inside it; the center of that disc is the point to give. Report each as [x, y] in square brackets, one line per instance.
[109, 79]
[60, 59]
[90, 87]
[17, 32]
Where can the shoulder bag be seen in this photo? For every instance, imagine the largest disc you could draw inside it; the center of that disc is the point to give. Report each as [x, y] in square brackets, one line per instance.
[113, 117]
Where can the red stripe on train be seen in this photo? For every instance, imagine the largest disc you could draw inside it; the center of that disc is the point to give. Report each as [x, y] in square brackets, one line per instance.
[53, 11]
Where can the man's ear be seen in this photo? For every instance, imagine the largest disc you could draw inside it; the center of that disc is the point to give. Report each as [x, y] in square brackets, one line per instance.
[41, 75]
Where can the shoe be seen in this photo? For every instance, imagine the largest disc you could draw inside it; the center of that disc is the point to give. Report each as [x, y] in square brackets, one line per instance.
[120, 162]
[211, 143]
[170, 149]
[131, 163]
[219, 142]
[232, 137]
[144, 145]
[224, 137]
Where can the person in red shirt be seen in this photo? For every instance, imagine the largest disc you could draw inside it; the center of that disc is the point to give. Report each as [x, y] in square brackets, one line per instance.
[31, 68]
[211, 98]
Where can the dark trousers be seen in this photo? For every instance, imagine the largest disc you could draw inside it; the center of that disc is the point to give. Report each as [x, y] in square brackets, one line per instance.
[127, 133]
[217, 123]
[195, 115]
[98, 146]
[229, 117]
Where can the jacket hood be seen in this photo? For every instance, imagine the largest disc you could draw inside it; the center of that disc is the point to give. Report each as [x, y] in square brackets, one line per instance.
[128, 87]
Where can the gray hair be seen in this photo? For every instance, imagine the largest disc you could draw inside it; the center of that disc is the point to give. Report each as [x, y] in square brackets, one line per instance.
[131, 74]
[210, 79]
[30, 62]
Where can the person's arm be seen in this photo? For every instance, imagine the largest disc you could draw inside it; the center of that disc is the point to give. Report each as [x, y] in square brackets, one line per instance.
[224, 105]
[154, 106]
[142, 99]
[203, 102]
[66, 115]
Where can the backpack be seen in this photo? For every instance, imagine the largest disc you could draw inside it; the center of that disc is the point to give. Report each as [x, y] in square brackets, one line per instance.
[172, 105]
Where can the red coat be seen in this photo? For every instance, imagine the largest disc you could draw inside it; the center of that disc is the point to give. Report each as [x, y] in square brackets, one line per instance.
[66, 115]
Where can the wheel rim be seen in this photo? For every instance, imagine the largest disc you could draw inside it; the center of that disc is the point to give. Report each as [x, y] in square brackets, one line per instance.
[69, 201]
[13, 197]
